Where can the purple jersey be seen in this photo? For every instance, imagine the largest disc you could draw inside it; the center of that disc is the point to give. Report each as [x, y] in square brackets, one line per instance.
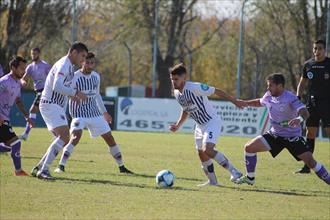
[38, 73]
[282, 109]
[1, 71]
[10, 89]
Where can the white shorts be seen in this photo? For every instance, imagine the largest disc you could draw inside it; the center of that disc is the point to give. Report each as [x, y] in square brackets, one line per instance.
[208, 133]
[53, 115]
[96, 126]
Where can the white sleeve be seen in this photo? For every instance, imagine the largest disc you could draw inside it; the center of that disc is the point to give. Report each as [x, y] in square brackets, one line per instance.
[202, 89]
[59, 86]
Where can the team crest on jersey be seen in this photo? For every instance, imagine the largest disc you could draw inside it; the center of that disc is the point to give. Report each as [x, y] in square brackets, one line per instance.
[62, 117]
[204, 87]
[326, 76]
[310, 75]
[76, 124]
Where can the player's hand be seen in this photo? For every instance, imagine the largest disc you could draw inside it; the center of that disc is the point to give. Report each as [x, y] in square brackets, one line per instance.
[240, 103]
[81, 96]
[173, 127]
[107, 117]
[23, 83]
[31, 122]
[294, 122]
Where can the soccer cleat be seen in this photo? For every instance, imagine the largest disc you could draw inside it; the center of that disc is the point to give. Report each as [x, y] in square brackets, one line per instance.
[235, 176]
[305, 169]
[60, 169]
[44, 175]
[34, 171]
[207, 183]
[245, 179]
[123, 169]
[20, 173]
[23, 137]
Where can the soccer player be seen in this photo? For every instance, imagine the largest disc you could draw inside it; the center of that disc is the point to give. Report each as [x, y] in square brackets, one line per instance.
[10, 92]
[38, 70]
[90, 113]
[192, 97]
[53, 105]
[316, 75]
[286, 113]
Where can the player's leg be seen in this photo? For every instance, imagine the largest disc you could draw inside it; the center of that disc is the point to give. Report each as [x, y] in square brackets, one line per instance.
[318, 168]
[115, 152]
[251, 148]
[12, 144]
[68, 150]
[33, 116]
[208, 168]
[54, 117]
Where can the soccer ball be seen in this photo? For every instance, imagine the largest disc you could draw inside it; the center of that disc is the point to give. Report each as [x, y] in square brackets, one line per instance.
[165, 178]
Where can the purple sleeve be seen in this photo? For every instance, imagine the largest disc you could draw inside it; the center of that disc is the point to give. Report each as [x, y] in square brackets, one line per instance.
[263, 100]
[28, 70]
[296, 103]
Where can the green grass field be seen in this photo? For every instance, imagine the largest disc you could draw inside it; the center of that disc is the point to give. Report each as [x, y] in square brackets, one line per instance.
[92, 187]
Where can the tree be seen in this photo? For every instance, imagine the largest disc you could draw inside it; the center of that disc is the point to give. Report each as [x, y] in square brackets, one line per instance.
[22, 21]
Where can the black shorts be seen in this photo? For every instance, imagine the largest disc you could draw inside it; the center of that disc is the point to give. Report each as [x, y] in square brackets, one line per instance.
[296, 145]
[6, 132]
[36, 100]
[319, 111]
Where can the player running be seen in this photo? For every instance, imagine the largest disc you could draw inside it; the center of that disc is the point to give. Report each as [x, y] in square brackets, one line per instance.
[192, 97]
[53, 105]
[38, 71]
[90, 113]
[10, 92]
[286, 112]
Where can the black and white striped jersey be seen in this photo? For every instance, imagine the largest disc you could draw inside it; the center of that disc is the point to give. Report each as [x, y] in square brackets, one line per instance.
[57, 85]
[89, 84]
[194, 101]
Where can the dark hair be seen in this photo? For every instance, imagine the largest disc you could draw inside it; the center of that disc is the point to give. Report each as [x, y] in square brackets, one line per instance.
[178, 69]
[78, 46]
[320, 42]
[276, 78]
[15, 60]
[90, 55]
[37, 49]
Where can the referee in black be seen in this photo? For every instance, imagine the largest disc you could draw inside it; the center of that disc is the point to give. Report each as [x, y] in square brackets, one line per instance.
[316, 77]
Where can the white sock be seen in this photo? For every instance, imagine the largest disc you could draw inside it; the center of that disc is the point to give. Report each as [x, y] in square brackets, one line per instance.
[224, 162]
[52, 152]
[33, 115]
[67, 151]
[209, 171]
[115, 152]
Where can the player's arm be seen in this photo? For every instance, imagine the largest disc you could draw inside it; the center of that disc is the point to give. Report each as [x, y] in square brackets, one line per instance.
[301, 86]
[253, 103]
[102, 109]
[59, 87]
[181, 120]
[303, 114]
[222, 94]
[21, 108]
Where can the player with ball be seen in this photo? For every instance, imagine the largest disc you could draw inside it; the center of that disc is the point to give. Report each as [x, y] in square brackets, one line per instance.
[192, 97]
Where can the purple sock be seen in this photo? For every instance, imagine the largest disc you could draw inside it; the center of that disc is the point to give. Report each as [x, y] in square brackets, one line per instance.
[250, 163]
[323, 174]
[27, 128]
[16, 154]
[4, 148]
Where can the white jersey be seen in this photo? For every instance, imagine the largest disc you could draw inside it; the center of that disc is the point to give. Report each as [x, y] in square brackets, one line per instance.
[194, 101]
[89, 84]
[57, 85]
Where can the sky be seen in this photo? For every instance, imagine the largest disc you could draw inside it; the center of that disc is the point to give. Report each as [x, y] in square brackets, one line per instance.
[221, 8]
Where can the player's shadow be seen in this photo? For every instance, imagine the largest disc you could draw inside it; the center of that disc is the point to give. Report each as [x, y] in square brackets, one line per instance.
[81, 161]
[144, 176]
[282, 192]
[114, 183]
